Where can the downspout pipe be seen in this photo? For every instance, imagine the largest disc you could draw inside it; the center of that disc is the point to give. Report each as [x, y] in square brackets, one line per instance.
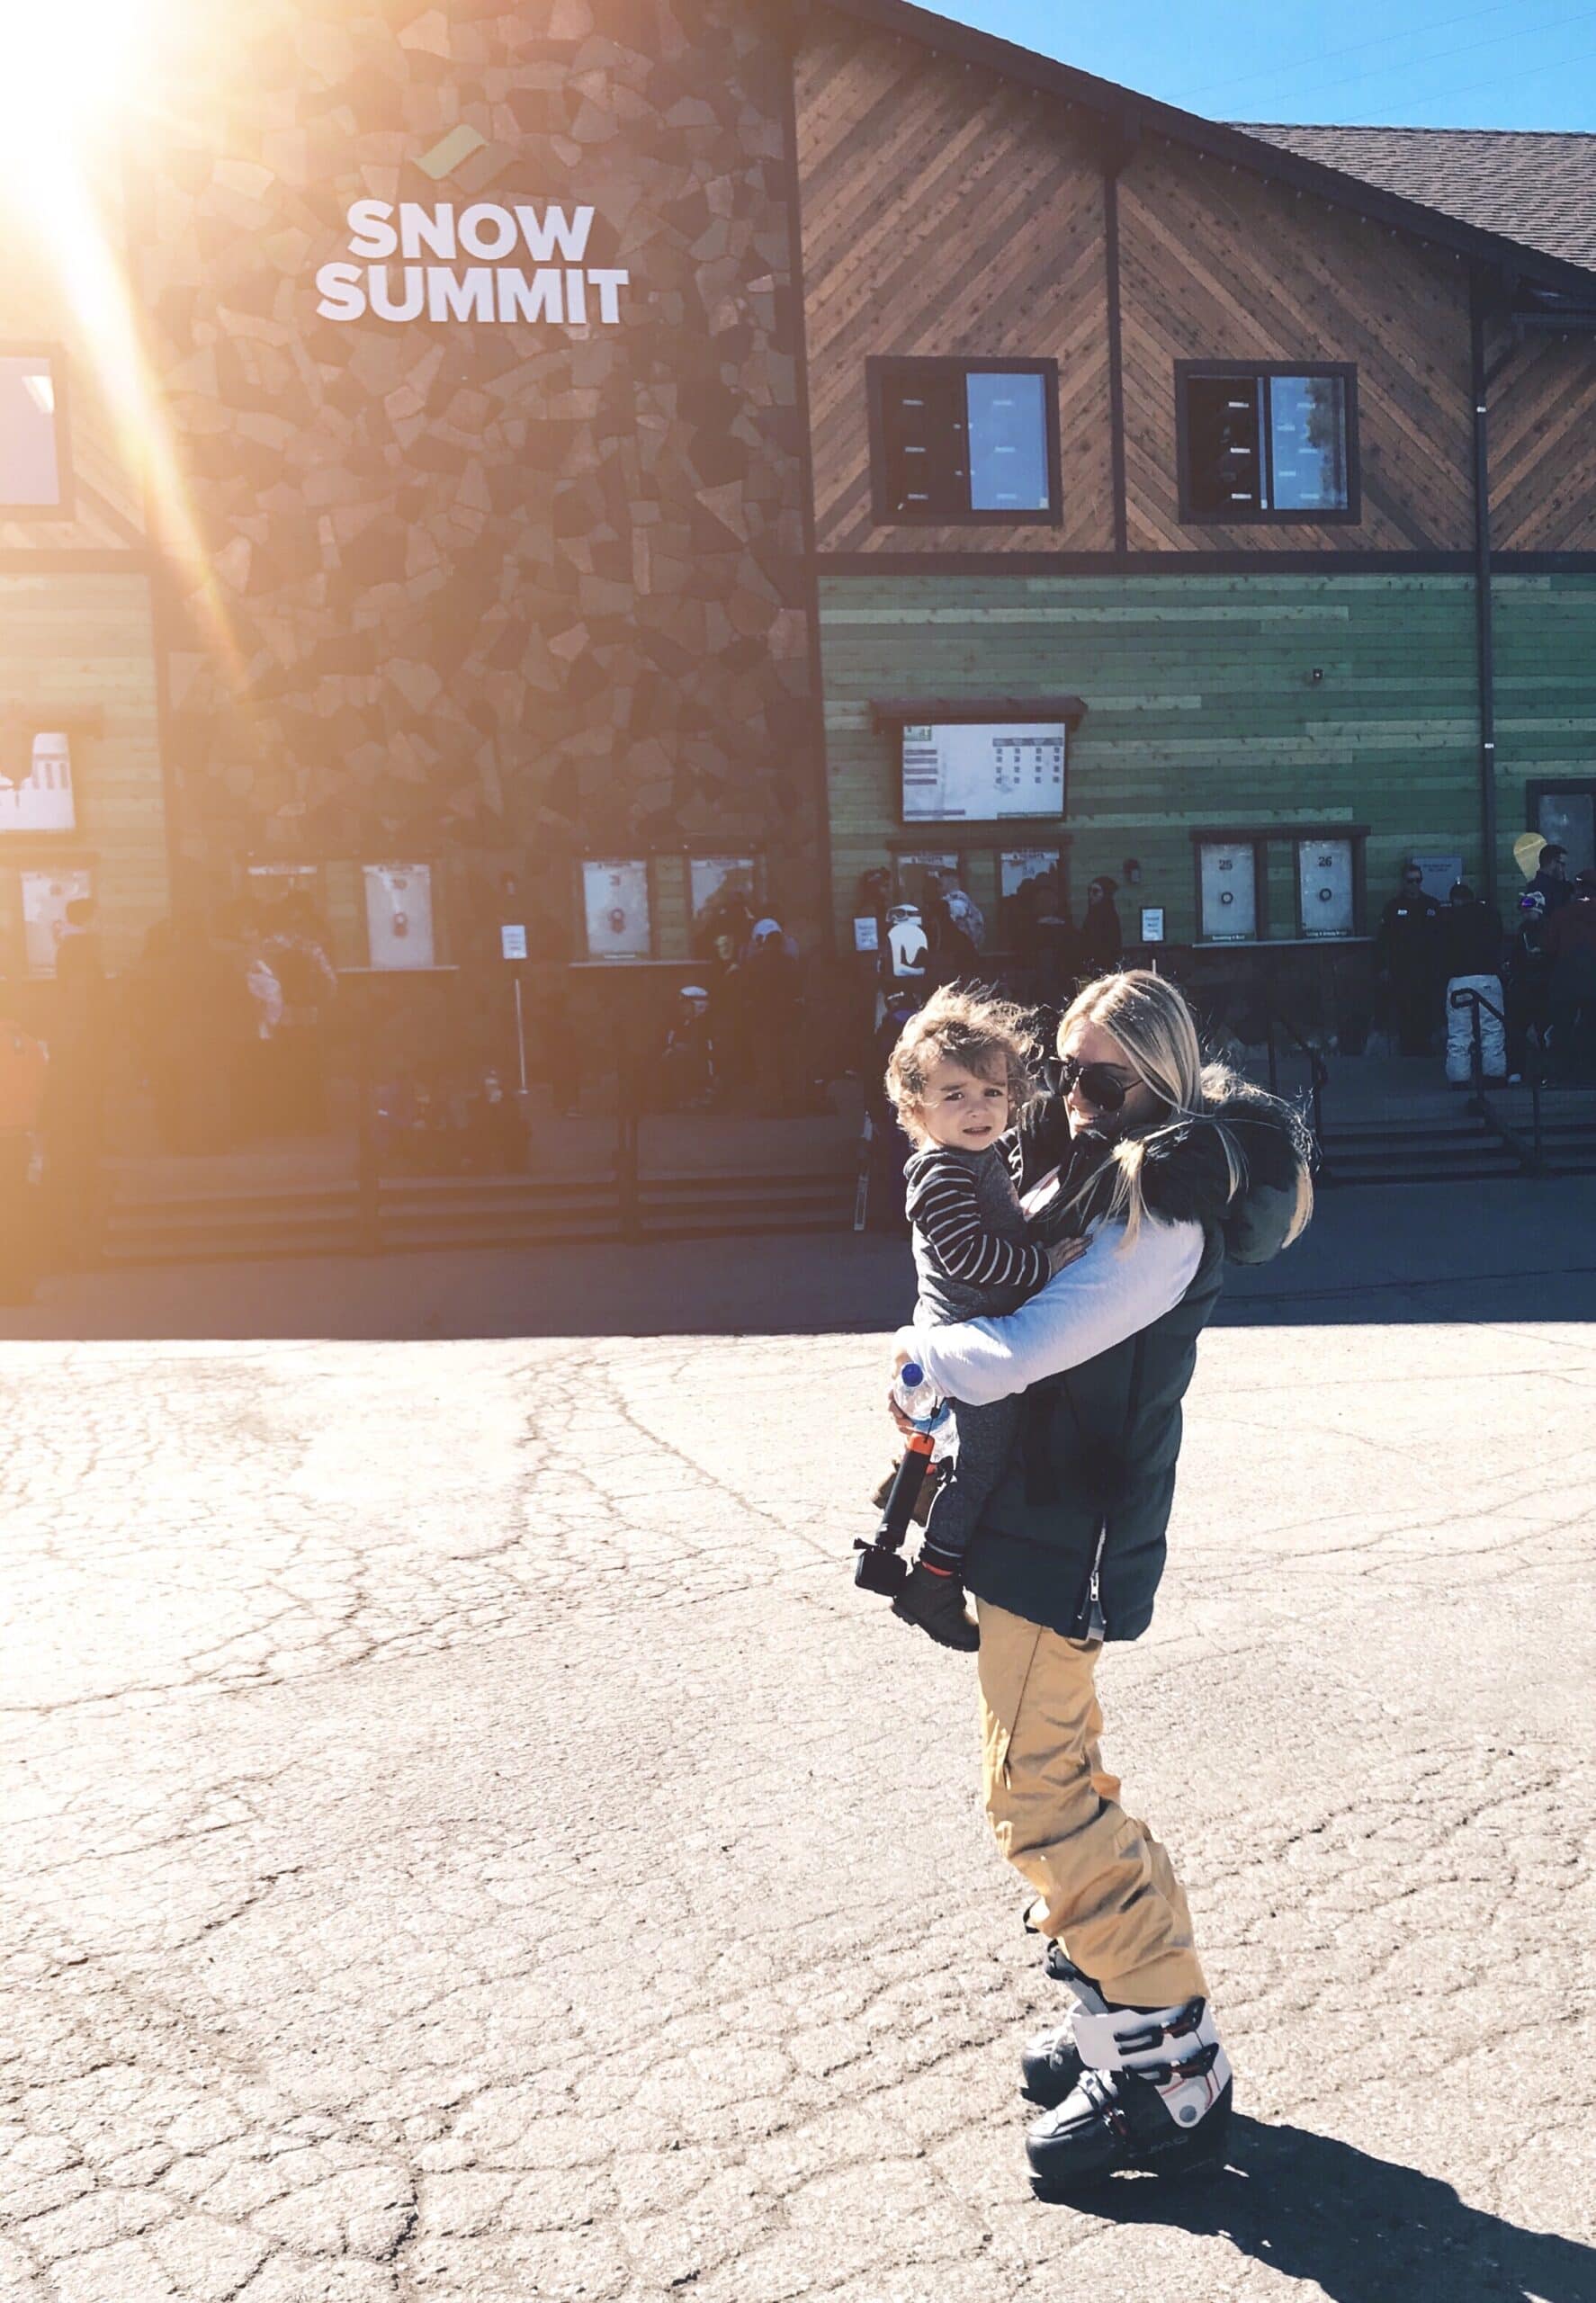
[1484, 638]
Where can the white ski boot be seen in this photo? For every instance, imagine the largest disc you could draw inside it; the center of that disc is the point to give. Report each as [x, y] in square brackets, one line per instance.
[1127, 2088]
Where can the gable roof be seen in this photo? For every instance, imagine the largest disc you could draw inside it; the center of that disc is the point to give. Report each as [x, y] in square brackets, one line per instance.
[1537, 188]
[1274, 153]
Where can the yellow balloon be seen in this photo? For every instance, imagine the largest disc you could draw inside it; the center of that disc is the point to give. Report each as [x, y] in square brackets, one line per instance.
[1527, 850]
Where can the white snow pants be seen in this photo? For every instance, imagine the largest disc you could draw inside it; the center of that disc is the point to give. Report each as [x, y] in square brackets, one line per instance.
[1460, 1029]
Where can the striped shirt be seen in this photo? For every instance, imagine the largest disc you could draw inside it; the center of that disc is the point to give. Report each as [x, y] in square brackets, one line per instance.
[970, 1247]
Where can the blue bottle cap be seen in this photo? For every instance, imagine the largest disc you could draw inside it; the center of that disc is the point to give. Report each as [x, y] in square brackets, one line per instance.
[911, 1376]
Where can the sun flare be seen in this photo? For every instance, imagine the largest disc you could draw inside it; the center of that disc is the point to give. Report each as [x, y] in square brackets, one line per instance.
[70, 67]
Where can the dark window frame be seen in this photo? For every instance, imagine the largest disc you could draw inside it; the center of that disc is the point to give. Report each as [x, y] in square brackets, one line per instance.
[877, 370]
[1551, 787]
[65, 507]
[1250, 371]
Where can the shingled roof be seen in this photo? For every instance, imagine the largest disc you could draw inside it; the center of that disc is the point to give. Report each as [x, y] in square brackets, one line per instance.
[1538, 189]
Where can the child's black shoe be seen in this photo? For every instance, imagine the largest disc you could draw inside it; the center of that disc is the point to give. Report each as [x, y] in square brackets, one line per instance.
[936, 1603]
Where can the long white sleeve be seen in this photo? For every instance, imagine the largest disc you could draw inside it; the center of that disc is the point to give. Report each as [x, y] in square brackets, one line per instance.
[1112, 1291]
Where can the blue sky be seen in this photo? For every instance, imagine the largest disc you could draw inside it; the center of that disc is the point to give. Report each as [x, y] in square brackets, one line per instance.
[1419, 63]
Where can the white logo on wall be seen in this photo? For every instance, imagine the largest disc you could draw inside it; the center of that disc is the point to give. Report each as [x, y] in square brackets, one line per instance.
[42, 800]
[549, 280]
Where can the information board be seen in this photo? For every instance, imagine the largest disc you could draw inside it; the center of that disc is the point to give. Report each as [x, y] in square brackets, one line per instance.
[983, 774]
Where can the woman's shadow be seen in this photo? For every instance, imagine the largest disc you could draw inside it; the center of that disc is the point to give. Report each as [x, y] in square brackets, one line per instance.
[1362, 2229]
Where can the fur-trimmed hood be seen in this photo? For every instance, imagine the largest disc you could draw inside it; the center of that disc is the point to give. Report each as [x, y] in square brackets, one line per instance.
[1185, 1176]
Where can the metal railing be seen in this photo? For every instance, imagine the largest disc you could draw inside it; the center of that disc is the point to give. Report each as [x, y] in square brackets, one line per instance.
[1318, 1071]
[1531, 1156]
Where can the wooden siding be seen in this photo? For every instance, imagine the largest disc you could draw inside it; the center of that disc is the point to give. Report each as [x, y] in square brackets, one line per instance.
[1543, 448]
[1546, 691]
[1218, 264]
[946, 211]
[950, 213]
[75, 651]
[1201, 712]
[37, 311]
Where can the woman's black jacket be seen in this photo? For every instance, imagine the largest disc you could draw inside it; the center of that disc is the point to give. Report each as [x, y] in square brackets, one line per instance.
[1073, 1536]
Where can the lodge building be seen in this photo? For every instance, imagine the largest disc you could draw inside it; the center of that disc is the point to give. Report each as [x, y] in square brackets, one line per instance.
[578, 451]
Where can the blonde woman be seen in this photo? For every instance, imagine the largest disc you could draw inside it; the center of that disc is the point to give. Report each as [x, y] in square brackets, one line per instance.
[1172, 1166]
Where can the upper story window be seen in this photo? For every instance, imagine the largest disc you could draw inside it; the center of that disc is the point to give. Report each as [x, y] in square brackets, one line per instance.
[1272, 442]
[32, 461]
[956, 441]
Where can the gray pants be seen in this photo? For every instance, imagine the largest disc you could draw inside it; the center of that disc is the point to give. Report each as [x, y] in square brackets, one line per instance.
[986, 1441]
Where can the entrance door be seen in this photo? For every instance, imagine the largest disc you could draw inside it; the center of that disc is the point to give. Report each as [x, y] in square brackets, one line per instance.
[1566, 813]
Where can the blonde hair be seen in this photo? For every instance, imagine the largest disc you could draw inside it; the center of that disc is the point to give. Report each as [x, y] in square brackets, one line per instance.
[1149, 1017]
[964, 1023]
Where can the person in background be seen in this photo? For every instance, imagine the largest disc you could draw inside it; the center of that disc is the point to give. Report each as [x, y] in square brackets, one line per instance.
[1101, 940]
[954, 951]
[265, 1020]
[1571, 948]
[295, 950]
[154, 1019]
[1551, 877]
[74, 1111]
[1405, 960]
[1525, 971]
[1469, 940]
[771, 1006]
[687, 1060]
[1048, 942]
[23, 1074]
[962, 912]
[725, 929]
[906, 951]
[555, 1056]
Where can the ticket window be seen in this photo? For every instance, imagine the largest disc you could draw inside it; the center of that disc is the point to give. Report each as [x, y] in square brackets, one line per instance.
[617, 919]
[1326, 900]
[399, 917]
[1227, 890]
[920, 875]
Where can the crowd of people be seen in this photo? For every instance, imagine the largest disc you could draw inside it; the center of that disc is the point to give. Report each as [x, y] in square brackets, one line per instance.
[1526, 996]
[228, 1019]
[736, 1027]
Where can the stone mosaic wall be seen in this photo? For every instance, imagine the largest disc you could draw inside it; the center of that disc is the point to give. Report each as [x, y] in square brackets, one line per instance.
[519, 587]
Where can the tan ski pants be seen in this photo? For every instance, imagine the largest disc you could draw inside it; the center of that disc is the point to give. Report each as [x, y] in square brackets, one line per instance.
[1105, 1888]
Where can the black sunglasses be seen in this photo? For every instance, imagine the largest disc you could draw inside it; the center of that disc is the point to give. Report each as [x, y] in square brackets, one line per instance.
[1100, 1083]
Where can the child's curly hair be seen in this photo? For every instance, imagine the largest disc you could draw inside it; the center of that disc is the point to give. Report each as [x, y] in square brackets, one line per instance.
[992, 1038]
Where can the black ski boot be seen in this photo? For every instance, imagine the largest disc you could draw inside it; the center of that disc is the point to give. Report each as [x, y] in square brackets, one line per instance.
[1050, 2063]
[936, 1603]
[1153, 2093]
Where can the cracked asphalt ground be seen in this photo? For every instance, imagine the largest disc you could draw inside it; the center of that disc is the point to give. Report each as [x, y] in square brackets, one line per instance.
[467, 1842]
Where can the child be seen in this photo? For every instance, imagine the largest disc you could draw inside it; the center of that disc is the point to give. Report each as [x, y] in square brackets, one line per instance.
[958, 1080]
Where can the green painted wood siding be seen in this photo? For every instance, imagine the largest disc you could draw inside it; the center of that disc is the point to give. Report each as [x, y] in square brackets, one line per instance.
[1202, 711]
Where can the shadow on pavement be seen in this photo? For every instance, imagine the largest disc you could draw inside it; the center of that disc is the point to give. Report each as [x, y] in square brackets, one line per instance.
[1501, 1252]
[1361, 2229]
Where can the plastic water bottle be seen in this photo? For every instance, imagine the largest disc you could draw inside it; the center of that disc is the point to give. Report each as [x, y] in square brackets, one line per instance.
[918, 1399]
